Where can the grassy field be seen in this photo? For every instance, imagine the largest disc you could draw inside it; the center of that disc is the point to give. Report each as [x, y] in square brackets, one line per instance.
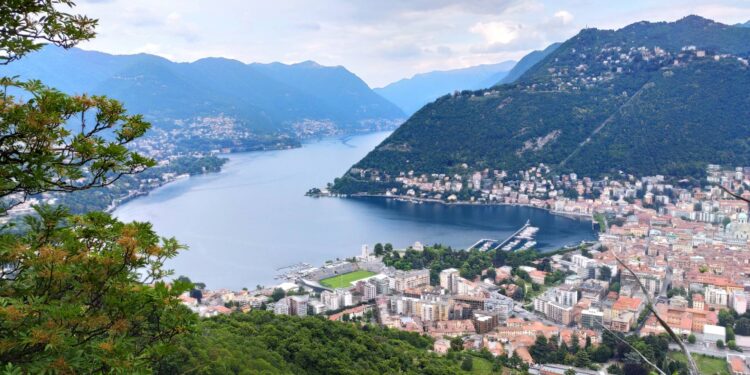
[345, 280]
[707, 365]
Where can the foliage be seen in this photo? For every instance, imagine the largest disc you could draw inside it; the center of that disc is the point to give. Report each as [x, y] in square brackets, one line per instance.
[470, 263]
[40, 151]
[648, 119]
[29, 24]
[260, 342]
[77, 293]
[85, 294]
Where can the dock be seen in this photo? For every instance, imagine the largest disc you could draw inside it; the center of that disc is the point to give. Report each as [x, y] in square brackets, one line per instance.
[523, 236]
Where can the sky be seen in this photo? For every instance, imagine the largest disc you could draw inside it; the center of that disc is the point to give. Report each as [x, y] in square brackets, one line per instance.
[379, 40]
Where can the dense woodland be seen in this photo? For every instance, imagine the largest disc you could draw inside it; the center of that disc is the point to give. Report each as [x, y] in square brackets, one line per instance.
[667, 114]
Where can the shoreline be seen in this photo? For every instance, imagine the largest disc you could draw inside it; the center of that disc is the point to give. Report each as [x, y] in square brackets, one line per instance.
[418, 200]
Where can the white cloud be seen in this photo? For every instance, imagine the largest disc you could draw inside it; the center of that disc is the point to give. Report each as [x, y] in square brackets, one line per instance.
[564, 16]
[497, 32]
[381, 41]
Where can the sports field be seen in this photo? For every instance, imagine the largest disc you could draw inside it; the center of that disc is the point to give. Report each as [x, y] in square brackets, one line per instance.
[345, 280]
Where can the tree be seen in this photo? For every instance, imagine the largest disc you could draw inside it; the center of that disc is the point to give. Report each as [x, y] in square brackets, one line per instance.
[29, 24]
[730, 334]
[388, 248]
[605, 273]
[742, 326]
[457, 344]
[601, 354]
[726, 319]
[720, 344]
[570, 371]
[468, 363]
[378, 249]
[86, 294]
[575, 344]
[491, 274]
[78, 294]
[278, 294]
[691, 338]
[582, 358]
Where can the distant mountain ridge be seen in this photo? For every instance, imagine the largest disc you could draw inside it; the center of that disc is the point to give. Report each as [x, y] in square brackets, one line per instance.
[410, 94]
[650, 98]
[526, 63]
[263, 97]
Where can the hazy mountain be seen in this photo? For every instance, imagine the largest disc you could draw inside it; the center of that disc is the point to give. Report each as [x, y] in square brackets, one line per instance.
[746, 24]
[410, 94]
[265, 97]
[525, 63]
[650, 98]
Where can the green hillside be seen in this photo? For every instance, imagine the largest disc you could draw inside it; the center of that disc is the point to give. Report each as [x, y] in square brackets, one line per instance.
[651, 98]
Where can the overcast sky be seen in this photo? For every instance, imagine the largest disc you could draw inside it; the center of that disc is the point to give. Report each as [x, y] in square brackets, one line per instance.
[379, 40]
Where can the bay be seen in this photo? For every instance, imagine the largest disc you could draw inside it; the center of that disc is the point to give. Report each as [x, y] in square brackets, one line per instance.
[245, 222]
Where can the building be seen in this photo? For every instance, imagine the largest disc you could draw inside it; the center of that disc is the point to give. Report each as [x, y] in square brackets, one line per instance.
[500, 305]
[484, 321]
[298, 305]
[403, 280]
[716, 297]
[281, 307]
[369, 291]
[336, 299]
[557, 303]
[699, 302]
[622, 322]
[449, 279]
[594, 290]
[592, 318]
[739, 302]
[737, 365]
[712, 333]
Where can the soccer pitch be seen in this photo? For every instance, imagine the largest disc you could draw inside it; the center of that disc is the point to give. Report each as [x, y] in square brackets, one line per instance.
[345, 280]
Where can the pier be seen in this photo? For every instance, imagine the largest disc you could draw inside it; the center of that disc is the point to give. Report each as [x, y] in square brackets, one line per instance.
[525, 233]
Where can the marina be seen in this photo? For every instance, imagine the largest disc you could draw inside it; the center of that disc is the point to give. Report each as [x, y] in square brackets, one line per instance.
[522, 239]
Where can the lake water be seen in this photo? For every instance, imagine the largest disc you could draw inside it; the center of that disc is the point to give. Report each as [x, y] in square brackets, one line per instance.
[252, 218]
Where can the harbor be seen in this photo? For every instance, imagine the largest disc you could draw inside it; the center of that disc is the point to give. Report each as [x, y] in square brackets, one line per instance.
[522, 239]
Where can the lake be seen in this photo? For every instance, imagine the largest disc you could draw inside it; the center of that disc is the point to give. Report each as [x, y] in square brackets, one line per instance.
[252, 218]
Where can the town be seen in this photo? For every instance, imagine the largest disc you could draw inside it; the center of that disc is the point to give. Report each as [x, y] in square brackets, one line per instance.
[687, 246]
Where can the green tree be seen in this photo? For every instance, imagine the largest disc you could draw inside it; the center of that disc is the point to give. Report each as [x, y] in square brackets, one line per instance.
[742, 326]
[726, 319]
[468, 363]
[691, 338]
[388, 248]
[29, 24]
[729, 334]
[85, 294]
[457, 344]
[277, 294]
[720, 344]
[570, 371]
[78, 294]
[379, 249]
[582, 358]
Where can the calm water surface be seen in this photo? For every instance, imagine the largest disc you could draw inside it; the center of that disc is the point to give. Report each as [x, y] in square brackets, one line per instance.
[252, 218]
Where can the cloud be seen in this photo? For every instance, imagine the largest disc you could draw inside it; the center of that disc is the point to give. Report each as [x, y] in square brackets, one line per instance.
[497, 32]
[382, 41]
[564, 16]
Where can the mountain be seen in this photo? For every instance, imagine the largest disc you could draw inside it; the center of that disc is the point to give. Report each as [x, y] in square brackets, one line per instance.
[746, 24]
[411, 94]
[650, 98]
[263, 97]
[526, 63]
